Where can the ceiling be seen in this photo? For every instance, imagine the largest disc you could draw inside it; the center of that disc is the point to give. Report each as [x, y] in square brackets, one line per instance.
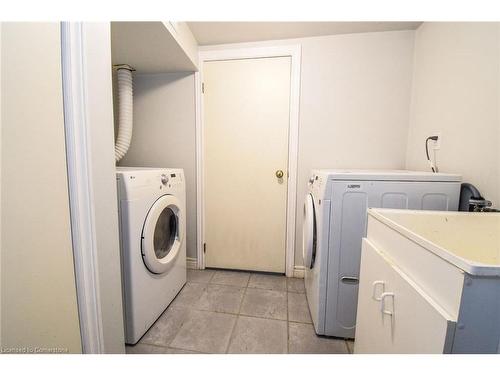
[207, 33]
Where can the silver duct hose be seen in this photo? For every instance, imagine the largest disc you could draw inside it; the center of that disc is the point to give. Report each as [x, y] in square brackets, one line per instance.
[125, 110]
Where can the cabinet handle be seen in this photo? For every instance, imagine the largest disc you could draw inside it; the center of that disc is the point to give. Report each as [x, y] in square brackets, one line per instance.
[382, 303]
[375, 284]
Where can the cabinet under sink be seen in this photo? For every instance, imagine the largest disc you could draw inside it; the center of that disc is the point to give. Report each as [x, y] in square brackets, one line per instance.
[429, 283]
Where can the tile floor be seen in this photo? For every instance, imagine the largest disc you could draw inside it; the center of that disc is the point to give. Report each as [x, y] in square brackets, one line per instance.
[237, 312]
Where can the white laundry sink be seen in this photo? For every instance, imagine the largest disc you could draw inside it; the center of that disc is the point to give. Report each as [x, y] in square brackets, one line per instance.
[429, 283]
[469, 240]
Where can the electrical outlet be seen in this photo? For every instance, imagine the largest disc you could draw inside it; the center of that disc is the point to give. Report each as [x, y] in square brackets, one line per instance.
[436, 145]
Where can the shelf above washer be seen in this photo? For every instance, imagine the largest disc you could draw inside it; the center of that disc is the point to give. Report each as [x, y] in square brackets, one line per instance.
[154, 47]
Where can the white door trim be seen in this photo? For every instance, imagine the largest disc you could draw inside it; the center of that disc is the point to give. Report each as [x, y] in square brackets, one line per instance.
[294, 51]
[78, 156]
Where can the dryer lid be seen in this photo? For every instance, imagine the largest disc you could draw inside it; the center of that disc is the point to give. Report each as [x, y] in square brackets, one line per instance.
[386, 175]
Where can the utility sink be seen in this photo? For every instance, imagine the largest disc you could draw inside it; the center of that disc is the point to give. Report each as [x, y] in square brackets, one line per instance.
[469, 240]
[429, 283]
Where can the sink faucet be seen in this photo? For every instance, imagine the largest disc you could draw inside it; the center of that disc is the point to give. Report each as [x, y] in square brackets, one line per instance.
[481, 205]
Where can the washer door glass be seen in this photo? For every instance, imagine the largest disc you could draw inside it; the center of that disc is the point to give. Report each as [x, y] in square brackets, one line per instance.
[165, 233]
[162, 234]
[309, 232]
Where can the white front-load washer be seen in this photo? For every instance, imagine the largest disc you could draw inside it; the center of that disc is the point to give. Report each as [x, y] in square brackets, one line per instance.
[152, 212]
[335, 222]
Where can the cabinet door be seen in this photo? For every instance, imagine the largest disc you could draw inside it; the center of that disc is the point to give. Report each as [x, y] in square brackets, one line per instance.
[403, 319]
[372, 333]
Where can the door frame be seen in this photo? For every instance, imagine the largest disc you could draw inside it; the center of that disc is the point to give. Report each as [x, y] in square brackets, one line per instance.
[74, 68]
[232, 53]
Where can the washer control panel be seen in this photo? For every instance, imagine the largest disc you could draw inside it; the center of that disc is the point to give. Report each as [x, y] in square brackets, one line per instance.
[171, 179]
[136, 183]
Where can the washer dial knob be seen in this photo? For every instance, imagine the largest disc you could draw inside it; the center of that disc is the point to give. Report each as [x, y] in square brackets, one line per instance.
[164, 179]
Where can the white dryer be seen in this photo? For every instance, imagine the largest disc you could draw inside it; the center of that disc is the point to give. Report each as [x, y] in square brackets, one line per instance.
[152, 206]
[335, 222]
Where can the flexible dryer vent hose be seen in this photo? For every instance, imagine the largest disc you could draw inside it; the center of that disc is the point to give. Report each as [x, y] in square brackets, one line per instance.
[125, 111]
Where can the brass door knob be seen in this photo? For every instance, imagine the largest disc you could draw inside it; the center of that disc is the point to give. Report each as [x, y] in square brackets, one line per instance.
[279, 173]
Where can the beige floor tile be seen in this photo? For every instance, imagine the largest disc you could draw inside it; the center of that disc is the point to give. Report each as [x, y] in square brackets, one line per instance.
[205, 331]
[221, 298]
[271, 282]
[201, 318]
[189, 295]
[154, 349]
[298, 310]
[233, 278]
[200, 276]
[259, 336]
[166, 327]
[181, 351]
[303, 339]
[295, 285]
[145, 349]
[264, 304]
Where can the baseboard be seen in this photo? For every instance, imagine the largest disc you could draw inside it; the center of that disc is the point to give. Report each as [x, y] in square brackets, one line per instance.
[298, 272]
[191, 263]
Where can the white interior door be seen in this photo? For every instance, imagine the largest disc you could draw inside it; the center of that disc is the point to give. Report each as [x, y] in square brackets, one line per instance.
[246, 123]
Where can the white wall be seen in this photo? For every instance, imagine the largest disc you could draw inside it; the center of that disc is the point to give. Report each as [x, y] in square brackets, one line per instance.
[38, 296]
[354, 104]
[456, 92]
[164, 133]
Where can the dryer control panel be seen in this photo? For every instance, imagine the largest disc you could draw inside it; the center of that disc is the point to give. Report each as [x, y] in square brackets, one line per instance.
[171, 179]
